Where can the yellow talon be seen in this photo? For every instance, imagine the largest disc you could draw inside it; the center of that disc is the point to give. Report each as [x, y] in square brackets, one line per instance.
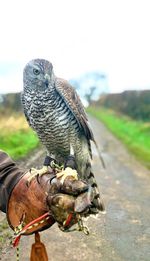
[37, 172]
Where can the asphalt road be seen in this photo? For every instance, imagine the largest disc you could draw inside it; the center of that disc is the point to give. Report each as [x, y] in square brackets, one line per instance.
[123, 233]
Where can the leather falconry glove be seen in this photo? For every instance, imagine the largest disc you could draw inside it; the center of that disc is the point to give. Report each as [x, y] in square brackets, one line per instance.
[48, 193]
[62, 196]
[35, 204]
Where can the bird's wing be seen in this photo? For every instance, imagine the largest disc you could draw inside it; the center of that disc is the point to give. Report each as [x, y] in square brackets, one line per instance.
[74, 103]
[25, 109]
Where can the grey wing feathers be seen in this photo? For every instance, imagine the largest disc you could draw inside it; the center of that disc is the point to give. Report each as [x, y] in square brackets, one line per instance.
[25, 109]
[74, 103]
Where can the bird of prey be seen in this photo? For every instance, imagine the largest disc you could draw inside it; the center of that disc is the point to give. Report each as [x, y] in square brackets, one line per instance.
[54, 110]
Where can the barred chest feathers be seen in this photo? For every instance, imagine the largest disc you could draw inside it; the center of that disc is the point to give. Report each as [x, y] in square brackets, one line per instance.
[54, 123]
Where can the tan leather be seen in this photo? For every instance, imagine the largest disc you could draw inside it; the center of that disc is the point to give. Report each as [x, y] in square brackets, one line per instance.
[27, 203]
[38, 251]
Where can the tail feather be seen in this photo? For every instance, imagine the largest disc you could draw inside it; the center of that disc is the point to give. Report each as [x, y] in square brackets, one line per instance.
[100, 155]
[97, 203]
[84, 171]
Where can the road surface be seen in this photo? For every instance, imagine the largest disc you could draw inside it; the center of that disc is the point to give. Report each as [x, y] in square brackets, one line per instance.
[123, 233]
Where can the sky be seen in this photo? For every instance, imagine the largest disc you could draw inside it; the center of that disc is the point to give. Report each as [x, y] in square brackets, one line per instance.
[77, 36]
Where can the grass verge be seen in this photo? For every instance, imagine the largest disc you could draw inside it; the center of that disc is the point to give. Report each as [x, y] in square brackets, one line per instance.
[16, 137]
[135, 135]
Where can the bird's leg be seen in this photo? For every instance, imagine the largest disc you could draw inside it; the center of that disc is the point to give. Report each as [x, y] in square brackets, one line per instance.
[70, 160]
[52, 162]
[48, 162]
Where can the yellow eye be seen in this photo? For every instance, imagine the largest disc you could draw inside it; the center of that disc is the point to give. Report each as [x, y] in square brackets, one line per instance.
[36, 71]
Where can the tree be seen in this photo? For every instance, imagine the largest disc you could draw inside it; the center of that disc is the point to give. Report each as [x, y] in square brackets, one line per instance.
[90, 85]
[90, 94]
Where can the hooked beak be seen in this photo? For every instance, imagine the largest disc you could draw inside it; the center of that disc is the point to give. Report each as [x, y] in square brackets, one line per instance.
[47, 79]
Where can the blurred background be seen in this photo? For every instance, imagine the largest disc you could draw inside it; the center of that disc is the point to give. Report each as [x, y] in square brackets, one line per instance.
[101, 47]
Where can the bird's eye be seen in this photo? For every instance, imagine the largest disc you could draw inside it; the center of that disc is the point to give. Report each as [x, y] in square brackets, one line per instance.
[36, 71]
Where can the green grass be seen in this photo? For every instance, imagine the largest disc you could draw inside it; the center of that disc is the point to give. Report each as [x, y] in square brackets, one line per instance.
[18, 144]
[136, 135]
[16, 137]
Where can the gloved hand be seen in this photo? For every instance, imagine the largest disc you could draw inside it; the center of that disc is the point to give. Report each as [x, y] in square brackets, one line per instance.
[62, 195]
[68, 198]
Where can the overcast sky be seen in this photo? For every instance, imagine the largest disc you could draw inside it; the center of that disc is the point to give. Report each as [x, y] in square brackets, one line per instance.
[112, 36]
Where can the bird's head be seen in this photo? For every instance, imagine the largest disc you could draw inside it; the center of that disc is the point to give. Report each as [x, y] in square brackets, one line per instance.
[38, 75]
